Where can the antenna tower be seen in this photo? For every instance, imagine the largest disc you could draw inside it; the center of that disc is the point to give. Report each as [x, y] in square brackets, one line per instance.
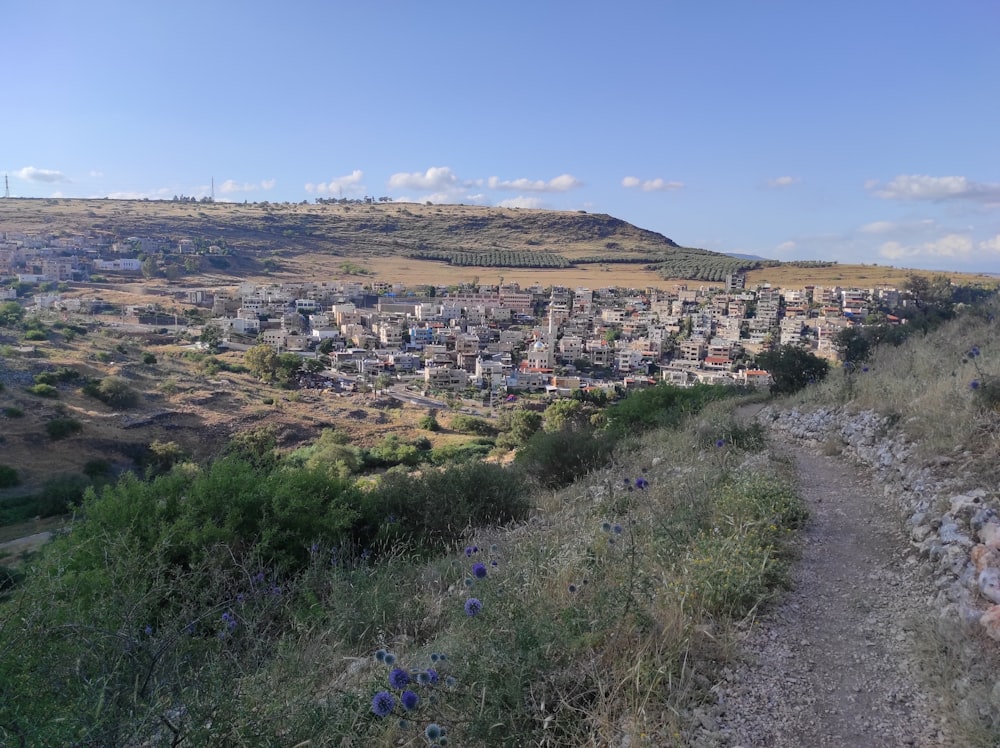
[6, 186]
[213, 189]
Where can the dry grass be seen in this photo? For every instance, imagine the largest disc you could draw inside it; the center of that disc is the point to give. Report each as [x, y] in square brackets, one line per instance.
[924, 386]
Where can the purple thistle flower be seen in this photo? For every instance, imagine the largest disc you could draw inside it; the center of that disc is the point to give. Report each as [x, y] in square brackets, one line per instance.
[432, 731]
[473, 607]
[493, 563]
[479, 571]
[974, 384]
[617, 529]
[380, 655]
[432, 675]
[399, 678]
[148, 631]
[720, 443]
[383, 703]
[389, 659]
[409, 700]
[572, 588]
[641, 483]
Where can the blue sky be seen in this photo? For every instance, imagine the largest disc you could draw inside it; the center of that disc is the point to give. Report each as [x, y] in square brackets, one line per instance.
[851, 131]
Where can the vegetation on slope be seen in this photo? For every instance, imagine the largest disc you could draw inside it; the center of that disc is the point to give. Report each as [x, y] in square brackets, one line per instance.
[260, 600]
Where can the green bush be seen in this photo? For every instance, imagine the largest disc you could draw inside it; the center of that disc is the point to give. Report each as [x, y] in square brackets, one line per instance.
[792, 368]
[432, 510]
[35, 335]
[97, 468]
[148, 358]
[471, 425]
[12, 411]
[429, 423]
[8, 476]
[558, 458]
[113, 391]
[61, 428]
[59, 494]
[664, 405]
[43, 390]
[63, 374]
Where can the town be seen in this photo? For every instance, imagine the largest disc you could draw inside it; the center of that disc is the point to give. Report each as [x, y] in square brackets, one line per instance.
[499, 339]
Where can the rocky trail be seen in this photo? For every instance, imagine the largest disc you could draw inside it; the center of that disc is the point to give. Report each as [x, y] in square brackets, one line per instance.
[833, 663]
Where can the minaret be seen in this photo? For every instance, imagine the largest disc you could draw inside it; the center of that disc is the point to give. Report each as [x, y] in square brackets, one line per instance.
[552, 340]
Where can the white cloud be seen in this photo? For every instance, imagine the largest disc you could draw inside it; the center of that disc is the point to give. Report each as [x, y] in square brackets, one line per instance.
[953, 246]
[231, 185]
[95, 173]
[521, 201]
[935, 189]
[879, 227]
[991, 245]
[786, 246]
[785, 181]
[159, 194]
[562, 183]
[40, 175]
[350, 183]
[651, 185]
[435, 178]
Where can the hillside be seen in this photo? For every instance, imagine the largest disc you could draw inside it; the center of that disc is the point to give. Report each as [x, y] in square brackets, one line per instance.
[419, 244]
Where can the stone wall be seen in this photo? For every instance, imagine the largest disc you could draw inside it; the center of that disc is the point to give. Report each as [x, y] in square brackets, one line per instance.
[952, 524]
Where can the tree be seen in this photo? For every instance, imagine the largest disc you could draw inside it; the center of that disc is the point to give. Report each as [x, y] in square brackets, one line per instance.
[852, 345]
[262, 361]
[149, 267]
[11, 314]
[792, 368]
[382, 382]
[212, 335]
[564, 415]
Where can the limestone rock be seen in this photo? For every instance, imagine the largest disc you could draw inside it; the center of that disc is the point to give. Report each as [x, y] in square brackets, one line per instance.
[989, 535]
[990, 620]
[984, 556]
[989, 584]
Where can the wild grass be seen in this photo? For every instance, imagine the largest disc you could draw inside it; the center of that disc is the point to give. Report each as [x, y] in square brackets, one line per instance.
[940, 388]
[600, 620]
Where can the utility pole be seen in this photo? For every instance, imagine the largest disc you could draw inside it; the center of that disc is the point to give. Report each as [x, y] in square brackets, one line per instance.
[6, 186]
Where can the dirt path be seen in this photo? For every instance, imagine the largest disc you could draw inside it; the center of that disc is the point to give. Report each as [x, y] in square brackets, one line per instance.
[832, 664]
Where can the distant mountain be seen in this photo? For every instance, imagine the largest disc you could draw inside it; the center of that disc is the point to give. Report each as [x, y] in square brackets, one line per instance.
[739, 256]
[460, 235]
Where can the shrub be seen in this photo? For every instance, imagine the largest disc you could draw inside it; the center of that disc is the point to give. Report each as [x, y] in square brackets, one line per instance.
[8, 476]
[113, 391]
[63, 374]
[663, 405]
[434, 509]
[429, 423]
[12, 411]
[43, 390]
[792, 368]
[148, 358]
[97, 468]
[558, 458]
[471, 425]
[60, 428]
[35, 335]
